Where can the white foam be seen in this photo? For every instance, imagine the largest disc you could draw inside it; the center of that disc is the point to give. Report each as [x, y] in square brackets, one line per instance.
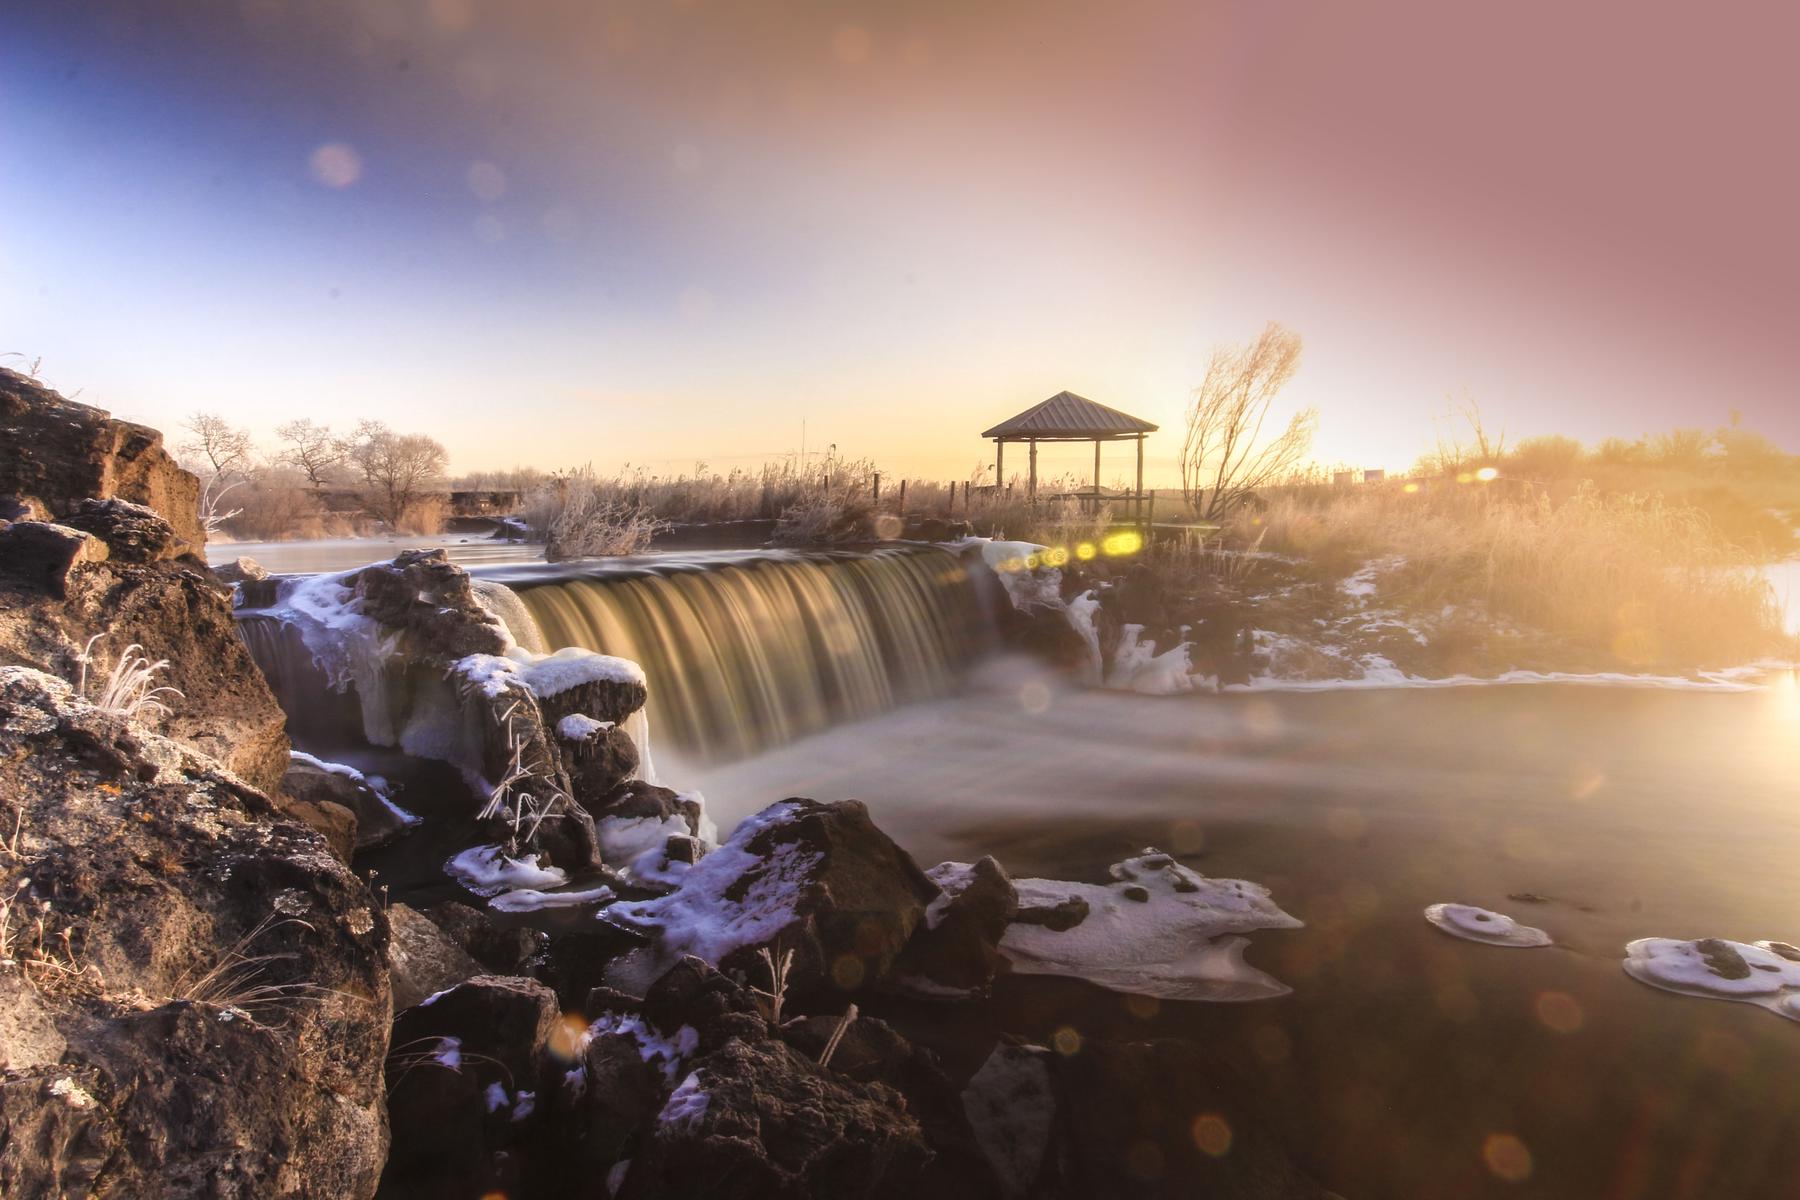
[1170, 945]
[1483, 925]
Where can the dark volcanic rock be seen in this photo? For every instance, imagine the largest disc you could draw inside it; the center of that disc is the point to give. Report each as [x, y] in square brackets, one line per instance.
[955, 952]
[422, 959]
[432, 601]
[503, 950]
[214, 1022]
[759, 1120]
[172, 609]
[55, 453]
[818, 879]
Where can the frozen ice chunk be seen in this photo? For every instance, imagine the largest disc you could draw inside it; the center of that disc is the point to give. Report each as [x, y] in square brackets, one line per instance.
[1483, 925]
[487, 871]
[1724, 970]
[1158, 930]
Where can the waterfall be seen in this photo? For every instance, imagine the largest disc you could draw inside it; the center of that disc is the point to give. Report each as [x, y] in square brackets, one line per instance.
[747, 653]
[743, 651]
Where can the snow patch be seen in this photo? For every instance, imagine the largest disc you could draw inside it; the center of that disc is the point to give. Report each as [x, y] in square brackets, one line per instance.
[487, 871]
[627, 839]
[1761, 973]
[449, 1053]
[578, 728]
[687, 1103]
[1158, 930]
[531, 900]
[1483, 925]
[953, 879]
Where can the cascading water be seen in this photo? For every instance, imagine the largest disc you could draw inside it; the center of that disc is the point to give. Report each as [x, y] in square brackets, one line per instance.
[749, 652]
[743, 650]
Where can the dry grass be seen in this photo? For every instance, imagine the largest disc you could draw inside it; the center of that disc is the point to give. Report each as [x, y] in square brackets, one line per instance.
[129, 689]
[1632, 578]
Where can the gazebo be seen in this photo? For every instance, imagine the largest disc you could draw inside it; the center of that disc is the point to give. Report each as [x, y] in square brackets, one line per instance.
[1066, 417]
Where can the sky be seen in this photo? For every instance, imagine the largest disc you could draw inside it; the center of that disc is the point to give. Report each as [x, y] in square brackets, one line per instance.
[660, 232]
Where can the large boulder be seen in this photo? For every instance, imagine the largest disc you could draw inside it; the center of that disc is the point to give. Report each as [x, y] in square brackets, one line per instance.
[312, 781]
[75, 602]
[432, 602]
[423, 960]
[203, 1009]
[819, 880]
[955, 953]
[55, 454]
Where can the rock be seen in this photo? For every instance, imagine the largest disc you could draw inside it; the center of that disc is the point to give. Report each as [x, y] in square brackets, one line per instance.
[600, 760]
[133, 532]
[1059, 917]
[818, 879]
[422, 959]
[40, 557]
[637, 817]
[221, 1001]
[241, 570]
[333, 822]
[311, 781]
[464, 1080]
[758, 1120]
[171, 609]
[955, 953]
[503, 950]
[717, 1008]
[55, 453]
[598, 699]
[432, 602]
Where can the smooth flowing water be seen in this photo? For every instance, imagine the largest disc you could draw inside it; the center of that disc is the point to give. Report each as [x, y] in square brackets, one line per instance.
[1406, 1063]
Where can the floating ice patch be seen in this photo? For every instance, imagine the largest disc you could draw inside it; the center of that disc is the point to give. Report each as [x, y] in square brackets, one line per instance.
[1480, 925]
[1011, 1106]
[1760, 973]
[1157, 931]
[487, 871]
[531, 900]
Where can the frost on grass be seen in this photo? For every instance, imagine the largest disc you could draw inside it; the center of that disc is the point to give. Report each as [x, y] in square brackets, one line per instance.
[1160, 929]
[728, 900]
[1761, 973]
[487, 871]
[1482, 925]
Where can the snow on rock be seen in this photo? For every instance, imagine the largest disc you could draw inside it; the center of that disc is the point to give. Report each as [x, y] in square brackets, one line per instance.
[1080, 614]
[1157, 930]
[627, 839]
[376, 784]
[1761, 973]
[578, 728]
[1137, 667]
[487, 871]
[954, 878]
[1029, 582]
[531, 900]
[666, 1054]
[545, 674]
[1482, 925]
[449, 1053]
[686, 1104]
[495, 1097]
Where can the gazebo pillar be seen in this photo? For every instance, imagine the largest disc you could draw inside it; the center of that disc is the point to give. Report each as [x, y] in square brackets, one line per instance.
[1140, 476]
[1096, 474]
[1031, 480]
[1000, 464]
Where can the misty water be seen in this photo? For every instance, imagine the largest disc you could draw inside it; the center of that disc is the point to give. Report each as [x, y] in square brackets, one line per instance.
[1619, 813]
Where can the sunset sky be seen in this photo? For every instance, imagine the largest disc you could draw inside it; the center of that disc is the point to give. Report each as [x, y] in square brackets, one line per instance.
[658, 232]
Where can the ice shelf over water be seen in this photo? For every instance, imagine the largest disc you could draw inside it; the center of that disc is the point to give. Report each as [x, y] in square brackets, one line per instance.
[1761, 973]
[1485, 926]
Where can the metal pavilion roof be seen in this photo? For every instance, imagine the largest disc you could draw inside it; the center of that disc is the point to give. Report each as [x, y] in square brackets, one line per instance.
[1066, 415]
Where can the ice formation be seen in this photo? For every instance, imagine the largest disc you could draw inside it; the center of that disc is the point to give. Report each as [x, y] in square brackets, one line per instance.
[578, 728]
[1158, 930]
[687, 1103]
[1481, 925]
[487, 871]
[374, 783]
[1761, 973]
[531, 900]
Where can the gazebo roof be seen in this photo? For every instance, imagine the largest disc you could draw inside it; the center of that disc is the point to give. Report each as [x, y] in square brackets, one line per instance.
[1066, 415]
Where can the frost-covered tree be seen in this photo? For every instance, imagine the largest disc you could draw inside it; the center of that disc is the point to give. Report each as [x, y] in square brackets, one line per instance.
[1224, 456]
[398, 468]
[224, 458]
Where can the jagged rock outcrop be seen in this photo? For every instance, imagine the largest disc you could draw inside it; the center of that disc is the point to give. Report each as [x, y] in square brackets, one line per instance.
[204, 1009]
[75, 598]
[955, 952]
[55, 454]
[422, 959]
[373, 821]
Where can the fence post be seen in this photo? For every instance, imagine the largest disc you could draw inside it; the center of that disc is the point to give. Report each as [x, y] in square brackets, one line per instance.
[903, 497]
[876, 498]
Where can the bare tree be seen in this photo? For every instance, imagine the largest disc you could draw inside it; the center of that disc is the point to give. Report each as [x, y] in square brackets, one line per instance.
[399, 468]
[1223, 456]
[313, 450]
[224, 458]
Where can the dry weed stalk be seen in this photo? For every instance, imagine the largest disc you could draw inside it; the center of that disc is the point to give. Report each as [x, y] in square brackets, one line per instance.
[130, 688]
[778, 974]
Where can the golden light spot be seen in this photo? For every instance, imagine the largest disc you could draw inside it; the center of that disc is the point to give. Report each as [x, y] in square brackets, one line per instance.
[1410, 488]
[1271, 1043]
[696, 302]
[850, 45]
[1465, 477]
[1507, 1157]
[486, 180]
[1144, 1161]
[1142, 1007]
[335, 165]
[1559, 1011]
[1212, 1134]
[1032, 561]
[1126, 541]
[848, 971]
[568, 1035]
[1487, 474]
[1085, 551]
[1066, 1041]
[1034, 697]
[887, 525]
[1055, 556]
